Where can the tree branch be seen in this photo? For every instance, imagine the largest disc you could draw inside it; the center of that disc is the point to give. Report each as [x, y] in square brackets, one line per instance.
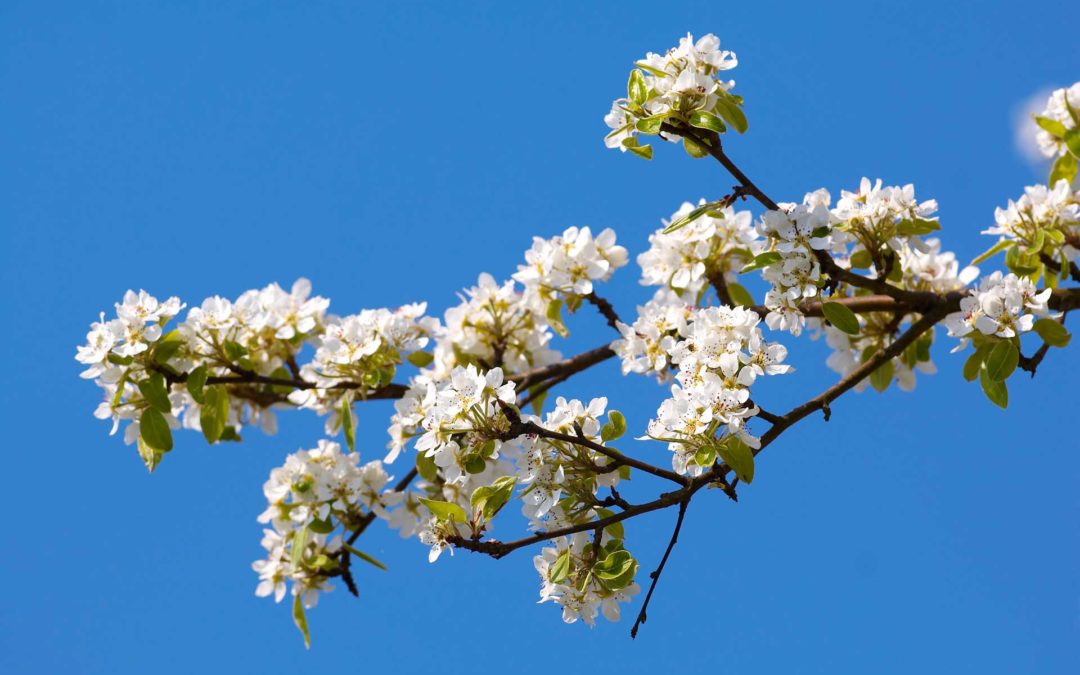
[655, 575]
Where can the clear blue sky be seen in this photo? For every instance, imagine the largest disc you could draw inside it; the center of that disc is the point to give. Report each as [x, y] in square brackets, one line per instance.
[390, 154]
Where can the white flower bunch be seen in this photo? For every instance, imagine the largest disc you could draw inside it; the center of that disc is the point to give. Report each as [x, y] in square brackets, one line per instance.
[463, 420]
[720, 355]
[120, 353]
[1059, 118]
[568, 264]
[1002, 305]
[681, 86]
[720, 242]
[308, 497]
[931, 269]
[1043, 220]
[646, 345]
[584, 580]
[493, 323]
[790, 266]
[261, 329]
[878, 217]
[548, 468]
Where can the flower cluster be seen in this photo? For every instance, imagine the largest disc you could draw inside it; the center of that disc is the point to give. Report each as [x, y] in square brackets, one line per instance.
[494, 325]
[1001, 305]
[550, 469]
[122, 352]
[260, 330]
[645, 346]
[463, 421]
[717, 243]
[881, 219]
[1061, 116]
[585, 579]
[720, 355]
[930, 269]
[790, 265]
[1044, 223]
[568, 264]
[680, 88]
[309, 497]
[876, 332]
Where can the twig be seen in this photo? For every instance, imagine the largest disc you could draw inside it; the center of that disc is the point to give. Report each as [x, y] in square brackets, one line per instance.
[655, 575]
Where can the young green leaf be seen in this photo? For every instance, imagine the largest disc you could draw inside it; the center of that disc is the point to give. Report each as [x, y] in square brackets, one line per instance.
[1064, 169]
[1053, 127]
[560, 569]
[993, 250]
[761, 260]
[1052, 332]
[636, 89]
[739, 295]
[150, 456]
[347, 427]
[554, 318]
[841, 317]
[615, 427]
[196, 380]
[616, 570]
[365, 557]
[425, 466]
[300, 619]
[881, 378]
[1072, 141]
[445, 511]
[995, 390]
[738, 456]
[214, 412]
[420, 359]
[732, 113]
[488, 499]
[651, 125]
[707, 120]
[155, 392]
[1002, 361]
[155, 430]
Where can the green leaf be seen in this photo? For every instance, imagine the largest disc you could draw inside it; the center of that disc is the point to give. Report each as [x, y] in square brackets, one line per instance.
[299, 543]
[166, 347]
[445, 510]
[554, 318]
[617, 570]
[364, 556]
[560, 569]
[739, 295]
[425, 466]
[841, 317]
[732, 113]
[196, 380]
[615, 529]
[694, 214]
[321, 526]
[347, 427]
[762, 260]
[1064, 169]
[993, 250]
[155, 392]
[1053, 127]
[641, 150]
[1072, 141]
[706, 120]
[150, 456]
[300, 619]
[996, 391]
[1052, 332]
[738, 456]
[234, 351]
[881, 378]
[695, 149]
[488, 499]
[615, 427]
[651, 125]
[420, 359]
[974, 362]
[636, 89]
[155, 430]
[1002, 361]
[214, 412]
[917, 227]
[861, 259]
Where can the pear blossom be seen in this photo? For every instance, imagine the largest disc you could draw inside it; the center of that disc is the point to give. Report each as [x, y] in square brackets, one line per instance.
[1043, 218]
[572, 585]
[569, 264]
[646, 344]
[1001, 305]
[1061, 107]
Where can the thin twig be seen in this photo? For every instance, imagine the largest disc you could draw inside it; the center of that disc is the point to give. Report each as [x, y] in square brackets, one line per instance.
[655, 575]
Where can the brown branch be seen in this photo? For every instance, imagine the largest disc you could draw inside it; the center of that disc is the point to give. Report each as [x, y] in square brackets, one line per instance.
[605, 308]
[655, 575]
[574, 364]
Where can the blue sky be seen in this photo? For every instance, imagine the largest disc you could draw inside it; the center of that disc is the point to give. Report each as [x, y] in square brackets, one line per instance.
[391, 153]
